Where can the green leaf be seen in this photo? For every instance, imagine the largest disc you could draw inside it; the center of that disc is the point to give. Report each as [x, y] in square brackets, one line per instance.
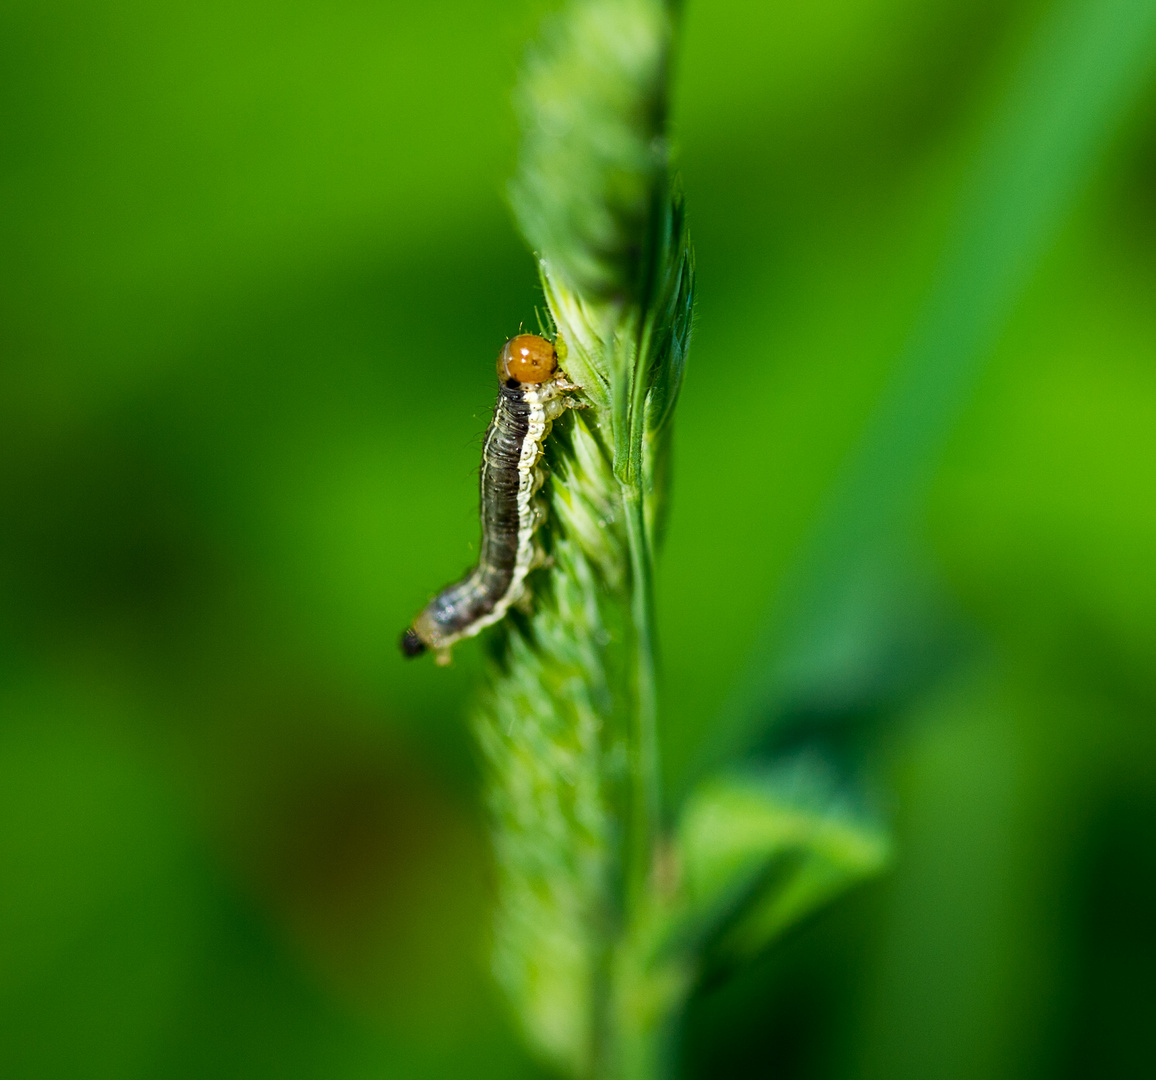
[1079, 77]
[760, 850]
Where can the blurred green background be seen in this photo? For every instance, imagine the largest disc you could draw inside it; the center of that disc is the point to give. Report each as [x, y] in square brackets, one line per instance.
[255, 264]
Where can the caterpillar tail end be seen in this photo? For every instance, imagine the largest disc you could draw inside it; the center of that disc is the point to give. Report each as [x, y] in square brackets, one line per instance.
[411, 644]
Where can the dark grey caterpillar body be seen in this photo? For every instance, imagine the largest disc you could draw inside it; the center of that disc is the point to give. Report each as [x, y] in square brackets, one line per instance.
[533, 393]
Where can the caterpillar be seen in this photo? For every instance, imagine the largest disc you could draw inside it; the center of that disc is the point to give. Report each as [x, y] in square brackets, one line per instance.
[532, 393]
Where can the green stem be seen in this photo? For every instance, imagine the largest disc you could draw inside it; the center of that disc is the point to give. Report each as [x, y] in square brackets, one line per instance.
[646, 798]
[570, 726]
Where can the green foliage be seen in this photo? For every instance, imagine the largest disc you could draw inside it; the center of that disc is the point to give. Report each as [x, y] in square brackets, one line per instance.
[758, 850]
[255, 268]
[595, 198]
[554, 727]
[594, 164]
[854, 603]
[569, 722]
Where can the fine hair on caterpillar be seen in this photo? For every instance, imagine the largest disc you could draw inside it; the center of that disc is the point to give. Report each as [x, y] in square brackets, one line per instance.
[533, 392]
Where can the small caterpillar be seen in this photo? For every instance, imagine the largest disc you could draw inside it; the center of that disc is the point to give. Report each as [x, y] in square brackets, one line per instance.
[533, 392]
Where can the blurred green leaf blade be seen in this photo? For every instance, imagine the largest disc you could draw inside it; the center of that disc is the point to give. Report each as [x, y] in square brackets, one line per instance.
[759, 850]
[1050, 131]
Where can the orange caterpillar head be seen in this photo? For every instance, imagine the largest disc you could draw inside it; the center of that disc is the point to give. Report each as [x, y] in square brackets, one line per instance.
[527, 358]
